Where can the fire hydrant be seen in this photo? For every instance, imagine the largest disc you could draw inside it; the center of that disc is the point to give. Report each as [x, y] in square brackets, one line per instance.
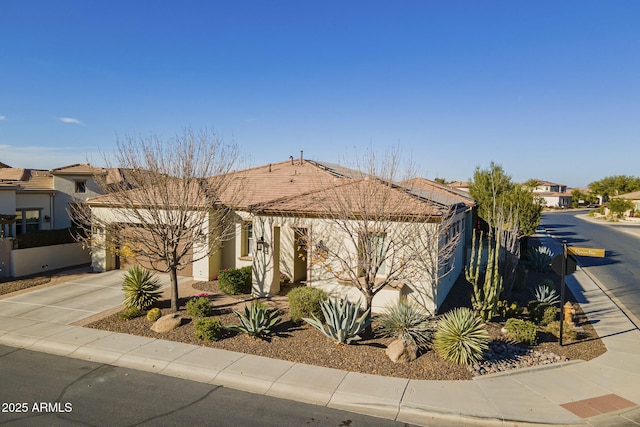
[569, 312]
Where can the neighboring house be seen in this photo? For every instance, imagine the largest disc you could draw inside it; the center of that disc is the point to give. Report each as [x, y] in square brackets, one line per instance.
[460, 185]
[73, 183]
[40, 199]
[26, 200]
[277, 218]
[634, 198]
[552, 194]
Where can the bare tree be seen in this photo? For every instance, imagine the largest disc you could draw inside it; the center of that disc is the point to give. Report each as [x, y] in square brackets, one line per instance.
[375, 232]
[166, 213]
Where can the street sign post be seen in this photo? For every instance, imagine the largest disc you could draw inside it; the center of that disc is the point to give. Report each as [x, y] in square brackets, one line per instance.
[591, 252]
[564, 265]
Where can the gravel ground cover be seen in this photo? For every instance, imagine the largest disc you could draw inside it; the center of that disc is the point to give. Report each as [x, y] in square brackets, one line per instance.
[304, 344]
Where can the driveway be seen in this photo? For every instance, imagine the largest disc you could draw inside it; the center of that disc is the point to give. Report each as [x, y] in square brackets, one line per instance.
[71, 302]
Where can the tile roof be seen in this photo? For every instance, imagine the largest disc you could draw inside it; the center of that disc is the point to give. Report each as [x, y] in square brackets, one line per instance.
[12, 174]
[274, 181]
[631, 196]
[356, 196]
[78, 169]
[440, 193]
[292, 186]
[27, 179]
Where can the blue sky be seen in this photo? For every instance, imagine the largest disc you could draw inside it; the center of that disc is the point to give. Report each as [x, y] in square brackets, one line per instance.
[547, 89]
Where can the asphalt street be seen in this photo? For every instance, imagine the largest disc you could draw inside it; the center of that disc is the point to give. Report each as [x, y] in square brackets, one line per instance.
[619, 271]
[40, 389]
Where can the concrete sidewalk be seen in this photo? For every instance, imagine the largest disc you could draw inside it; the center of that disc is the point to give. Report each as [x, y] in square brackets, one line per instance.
[603, 391]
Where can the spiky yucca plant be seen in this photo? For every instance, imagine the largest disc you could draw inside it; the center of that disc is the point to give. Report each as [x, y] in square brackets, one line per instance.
[408, 321]
[461, 337]
[343, 319]
[256, 321]
[141, 287]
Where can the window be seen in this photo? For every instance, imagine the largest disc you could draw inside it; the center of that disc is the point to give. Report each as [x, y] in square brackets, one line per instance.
[81, 186]
[27, 220]
[372, 253]
[247, 239]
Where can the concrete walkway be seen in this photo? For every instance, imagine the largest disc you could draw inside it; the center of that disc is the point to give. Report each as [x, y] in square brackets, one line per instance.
[603, 391]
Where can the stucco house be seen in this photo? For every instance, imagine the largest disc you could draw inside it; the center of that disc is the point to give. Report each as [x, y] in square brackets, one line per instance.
[553, 194]
[634, 198]
[279, 222]
[26, 200]
[39, 199]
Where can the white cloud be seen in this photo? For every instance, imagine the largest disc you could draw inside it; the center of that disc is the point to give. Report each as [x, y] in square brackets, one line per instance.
[70, 120]
[3, 118]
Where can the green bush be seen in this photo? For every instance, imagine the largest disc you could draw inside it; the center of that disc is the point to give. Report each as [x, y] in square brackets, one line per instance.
[130, 313]
[461, 337]
[141, 287]
[154, 314]
[549, 315]
[407, 321]
[305, 301]
[569, 332]
[256, 321]
[539, 312]
[509, 310]
[199, 307]
[208, 328]
[234, 281]
[343, 319]
[522, 331]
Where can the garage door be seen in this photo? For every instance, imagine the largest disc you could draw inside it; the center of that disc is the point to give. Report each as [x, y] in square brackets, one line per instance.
[127, 256]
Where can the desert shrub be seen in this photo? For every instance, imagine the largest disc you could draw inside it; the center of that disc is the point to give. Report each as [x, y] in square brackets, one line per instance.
[343, 319]
[141, 287]
[234, 281]
[509, 310]
[154, 314]
[539, 311]
[305, 301]
[522, 331]
[407, 321]
[130, 313]
[208, 328]
[549, 314]
[256, 321]
[199, 307]
[540, 258]
[569, 332]
[461, 337]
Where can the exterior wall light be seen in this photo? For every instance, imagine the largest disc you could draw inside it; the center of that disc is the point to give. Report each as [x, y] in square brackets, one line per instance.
[260, 244]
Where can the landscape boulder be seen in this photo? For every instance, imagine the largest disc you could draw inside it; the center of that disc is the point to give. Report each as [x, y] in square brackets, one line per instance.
[401, 351]
[167, 323]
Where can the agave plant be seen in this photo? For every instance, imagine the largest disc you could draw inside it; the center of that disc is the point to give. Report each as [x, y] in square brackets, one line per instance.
[343, 319]
[544, 293]
[540, 258]
[408, 321]
[141, 287]
[461, 337]
[256, 321]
